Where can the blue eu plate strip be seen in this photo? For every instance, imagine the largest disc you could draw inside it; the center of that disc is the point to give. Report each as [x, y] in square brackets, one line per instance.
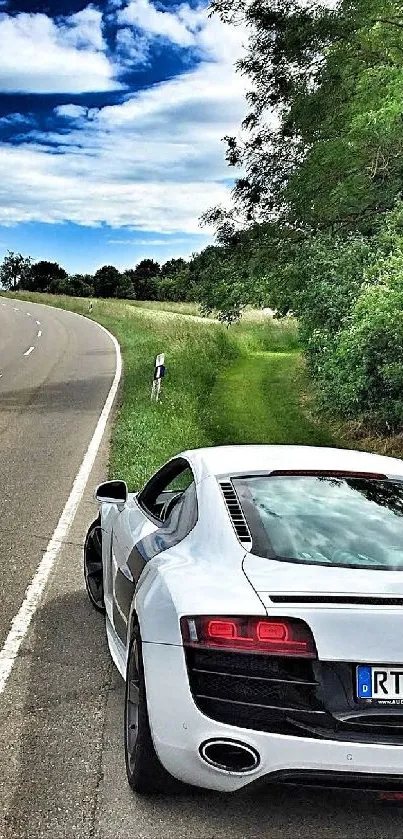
[364, 682]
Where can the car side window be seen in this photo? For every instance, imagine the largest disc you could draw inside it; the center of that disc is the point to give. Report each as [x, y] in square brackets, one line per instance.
[181, 482]
[165, 490]
[181, 515]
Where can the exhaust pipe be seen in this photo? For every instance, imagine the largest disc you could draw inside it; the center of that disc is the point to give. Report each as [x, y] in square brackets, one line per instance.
[230, 755]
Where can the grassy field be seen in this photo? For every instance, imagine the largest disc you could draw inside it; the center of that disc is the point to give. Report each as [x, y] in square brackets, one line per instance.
[236, 385]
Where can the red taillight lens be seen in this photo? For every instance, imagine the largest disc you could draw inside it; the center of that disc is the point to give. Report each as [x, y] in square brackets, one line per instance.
[221, 630]
[390, 796]
[277, 636]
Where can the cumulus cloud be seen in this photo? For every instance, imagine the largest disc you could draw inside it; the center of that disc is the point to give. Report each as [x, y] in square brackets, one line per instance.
[148, 242]
[133, 48]
[71, 111]
[38, 55]
[83, 30]
[185, 27]
[153, 162]
[17, 119]
[171, 25]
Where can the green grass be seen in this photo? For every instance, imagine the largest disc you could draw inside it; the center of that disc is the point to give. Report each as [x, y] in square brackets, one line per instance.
[258, 401]
[155, 305]
[224, 385]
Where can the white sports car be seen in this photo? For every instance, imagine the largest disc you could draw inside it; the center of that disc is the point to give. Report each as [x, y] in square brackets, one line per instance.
[254, 605]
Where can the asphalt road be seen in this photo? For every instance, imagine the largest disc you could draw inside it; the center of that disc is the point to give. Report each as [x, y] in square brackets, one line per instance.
[61, 755]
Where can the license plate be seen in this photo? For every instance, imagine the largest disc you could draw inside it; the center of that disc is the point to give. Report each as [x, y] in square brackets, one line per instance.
[380, 683]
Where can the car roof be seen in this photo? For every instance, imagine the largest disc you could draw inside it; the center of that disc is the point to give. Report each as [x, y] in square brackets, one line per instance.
[232, 460]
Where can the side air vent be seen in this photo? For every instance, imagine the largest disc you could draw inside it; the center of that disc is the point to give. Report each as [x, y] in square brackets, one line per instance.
[236, 514]
[340, 600]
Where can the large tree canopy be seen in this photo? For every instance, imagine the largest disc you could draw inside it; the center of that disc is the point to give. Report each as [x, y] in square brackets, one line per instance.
[323, 136]
[15, 270]
[43, 274]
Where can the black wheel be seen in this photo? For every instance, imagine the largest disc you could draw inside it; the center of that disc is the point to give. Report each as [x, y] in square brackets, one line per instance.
[145, 773]
[93, 573]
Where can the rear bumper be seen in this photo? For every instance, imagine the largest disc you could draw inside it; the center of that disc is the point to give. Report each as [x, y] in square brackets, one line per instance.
[178, 728]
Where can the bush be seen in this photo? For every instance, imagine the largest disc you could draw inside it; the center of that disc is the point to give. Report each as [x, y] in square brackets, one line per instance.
[362, 371]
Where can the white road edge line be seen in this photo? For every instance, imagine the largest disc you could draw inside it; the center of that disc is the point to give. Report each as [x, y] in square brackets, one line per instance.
[28, 352]
[33, 594]
[39, 335]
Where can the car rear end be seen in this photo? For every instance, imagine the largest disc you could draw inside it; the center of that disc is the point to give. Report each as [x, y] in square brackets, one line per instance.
[229, 716]
[312, 692]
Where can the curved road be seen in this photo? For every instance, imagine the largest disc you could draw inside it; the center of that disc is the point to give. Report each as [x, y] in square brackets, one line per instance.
[61, 752]
[55, 373]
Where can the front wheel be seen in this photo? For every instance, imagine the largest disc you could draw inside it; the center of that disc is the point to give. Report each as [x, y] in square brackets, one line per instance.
[145, 772]
[93, 570]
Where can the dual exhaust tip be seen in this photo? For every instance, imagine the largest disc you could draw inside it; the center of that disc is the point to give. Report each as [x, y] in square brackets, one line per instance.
[230, 755]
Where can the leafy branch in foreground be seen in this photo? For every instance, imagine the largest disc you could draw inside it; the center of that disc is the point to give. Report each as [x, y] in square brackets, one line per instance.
[322, 142]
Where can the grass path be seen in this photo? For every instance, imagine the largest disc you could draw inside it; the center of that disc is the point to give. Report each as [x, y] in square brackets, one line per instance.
[256, 400]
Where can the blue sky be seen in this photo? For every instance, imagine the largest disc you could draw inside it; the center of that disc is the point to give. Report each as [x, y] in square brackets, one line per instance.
[111, 123]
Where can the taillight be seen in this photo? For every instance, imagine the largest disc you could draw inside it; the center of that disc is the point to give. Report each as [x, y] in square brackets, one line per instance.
[275, 636]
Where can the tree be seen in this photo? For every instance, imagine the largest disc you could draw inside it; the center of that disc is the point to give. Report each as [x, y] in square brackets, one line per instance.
[144, 278]
[106, 281]
[81, 285]
[15, 271]
[172, 266]
[42, 274]
[125, 288]
[331, 80]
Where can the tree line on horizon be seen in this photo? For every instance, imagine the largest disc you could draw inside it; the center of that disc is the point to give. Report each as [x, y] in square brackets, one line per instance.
[173, 280]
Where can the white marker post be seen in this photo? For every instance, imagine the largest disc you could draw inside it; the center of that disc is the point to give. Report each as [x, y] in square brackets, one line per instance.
[159, 373]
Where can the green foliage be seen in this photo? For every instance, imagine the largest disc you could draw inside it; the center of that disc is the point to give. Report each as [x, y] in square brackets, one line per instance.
[334, 78]
[106, 281]
[144, 278]
[42, 275]
[360, 373]
[15, 271]
[172, 267]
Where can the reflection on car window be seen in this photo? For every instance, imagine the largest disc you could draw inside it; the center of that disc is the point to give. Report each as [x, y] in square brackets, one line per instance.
[352, 522]
[172, 480]
[181, 482]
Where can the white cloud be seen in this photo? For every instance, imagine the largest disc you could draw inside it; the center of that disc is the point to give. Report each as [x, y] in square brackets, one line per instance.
[158, 243]
[54, 58]
[83, 30]
[17, 119]
[71, 111]
[154, 162]
[132, 47]
[185, 27]
[144, 15]
[38, 186]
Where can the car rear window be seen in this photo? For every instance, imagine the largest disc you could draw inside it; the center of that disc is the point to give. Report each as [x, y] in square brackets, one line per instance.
[349, 522]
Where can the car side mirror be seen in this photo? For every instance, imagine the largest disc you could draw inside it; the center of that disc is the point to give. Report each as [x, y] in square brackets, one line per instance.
[112, 492]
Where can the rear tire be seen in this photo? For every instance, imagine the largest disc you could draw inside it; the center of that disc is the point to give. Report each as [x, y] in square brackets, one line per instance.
[145, 773]
[93, 569]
